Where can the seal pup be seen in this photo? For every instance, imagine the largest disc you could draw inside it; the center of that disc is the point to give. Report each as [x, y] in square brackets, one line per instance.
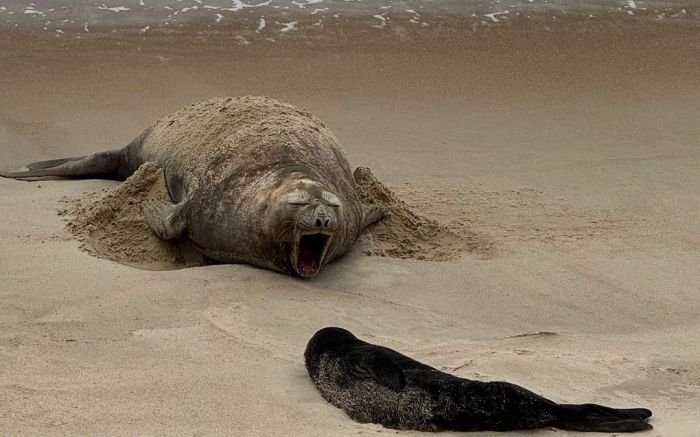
[252, 180]
[379, 385]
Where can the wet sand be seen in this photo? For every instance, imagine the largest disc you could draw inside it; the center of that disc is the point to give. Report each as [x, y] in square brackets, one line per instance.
[575, 153]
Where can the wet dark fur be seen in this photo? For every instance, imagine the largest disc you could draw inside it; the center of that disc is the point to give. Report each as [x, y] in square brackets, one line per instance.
[375, 384]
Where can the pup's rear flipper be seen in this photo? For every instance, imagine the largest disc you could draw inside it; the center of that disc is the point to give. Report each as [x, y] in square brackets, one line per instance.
[598, 418]
[103, 165]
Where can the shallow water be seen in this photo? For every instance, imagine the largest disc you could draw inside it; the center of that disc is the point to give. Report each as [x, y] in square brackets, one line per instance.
[274, 18]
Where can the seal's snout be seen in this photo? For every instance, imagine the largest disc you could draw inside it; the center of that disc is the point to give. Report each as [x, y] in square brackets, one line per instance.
[322, 219]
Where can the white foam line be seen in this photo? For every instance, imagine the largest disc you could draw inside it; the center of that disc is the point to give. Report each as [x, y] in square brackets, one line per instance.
[492, 15]
[261, 25]
[191, 8]
[219, 17]
[29, 10]
[292, 25]
[141, 3]
[145, 29]
[305, 3]
[317, 10]
[382, 18]
[238, 5]
[211, 7]
[113, 9]
[631, 4]
[85, 27]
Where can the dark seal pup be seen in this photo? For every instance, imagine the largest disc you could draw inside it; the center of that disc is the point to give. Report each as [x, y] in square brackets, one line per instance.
[252, 180]
[375, 384]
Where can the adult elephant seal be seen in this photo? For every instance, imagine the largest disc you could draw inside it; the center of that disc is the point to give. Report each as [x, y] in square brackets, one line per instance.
[375, 384]
[252, 180]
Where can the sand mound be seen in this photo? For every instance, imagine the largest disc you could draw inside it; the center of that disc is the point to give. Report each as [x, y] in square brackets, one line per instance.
[110, 225]
[405, 234]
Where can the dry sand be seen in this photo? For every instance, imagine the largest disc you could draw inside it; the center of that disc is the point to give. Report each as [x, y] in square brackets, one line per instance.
[574, 159]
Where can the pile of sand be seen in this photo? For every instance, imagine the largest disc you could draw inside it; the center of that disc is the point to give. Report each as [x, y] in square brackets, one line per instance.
[406, 234]
[110, 225]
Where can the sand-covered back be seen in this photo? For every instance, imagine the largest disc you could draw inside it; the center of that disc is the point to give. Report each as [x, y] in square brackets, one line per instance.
[211, 138]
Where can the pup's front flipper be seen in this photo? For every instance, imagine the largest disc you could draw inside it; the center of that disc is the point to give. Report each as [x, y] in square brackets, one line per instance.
[377, 365]
[167, 220]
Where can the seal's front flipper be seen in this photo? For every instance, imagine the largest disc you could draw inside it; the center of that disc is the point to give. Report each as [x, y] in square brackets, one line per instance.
[377, 365]
[371, 214]
[167, 220]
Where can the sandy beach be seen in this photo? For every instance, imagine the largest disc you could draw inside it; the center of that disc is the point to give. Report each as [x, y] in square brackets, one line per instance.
[569, 146]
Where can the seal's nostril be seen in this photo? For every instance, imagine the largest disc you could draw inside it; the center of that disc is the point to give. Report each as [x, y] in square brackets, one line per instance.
[326, 223]
[318, 222]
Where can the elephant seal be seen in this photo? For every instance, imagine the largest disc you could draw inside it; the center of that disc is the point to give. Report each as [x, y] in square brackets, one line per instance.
[375, 384]
[252, 180]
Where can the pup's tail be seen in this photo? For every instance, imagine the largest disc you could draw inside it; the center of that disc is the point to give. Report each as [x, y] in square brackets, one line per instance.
[598, 418]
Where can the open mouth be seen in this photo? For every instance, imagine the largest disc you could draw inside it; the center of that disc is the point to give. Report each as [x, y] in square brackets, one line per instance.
[310, 252]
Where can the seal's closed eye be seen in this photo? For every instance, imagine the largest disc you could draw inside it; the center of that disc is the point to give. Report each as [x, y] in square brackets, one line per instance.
[297, 198]
[331, 199]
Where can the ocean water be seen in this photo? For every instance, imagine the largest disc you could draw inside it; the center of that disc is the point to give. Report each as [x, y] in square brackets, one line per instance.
[272, 18]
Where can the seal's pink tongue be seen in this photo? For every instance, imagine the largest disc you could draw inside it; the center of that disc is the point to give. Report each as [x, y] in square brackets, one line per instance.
[307, 258]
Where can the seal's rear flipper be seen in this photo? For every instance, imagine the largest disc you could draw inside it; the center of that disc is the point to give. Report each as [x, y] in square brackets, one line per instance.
[51, 163]
[598, 418]
[166, 219]
[103, 165]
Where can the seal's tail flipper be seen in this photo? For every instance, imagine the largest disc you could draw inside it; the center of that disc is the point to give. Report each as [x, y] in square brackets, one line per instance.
[51, 163]
[103, 165]
[598, 418]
